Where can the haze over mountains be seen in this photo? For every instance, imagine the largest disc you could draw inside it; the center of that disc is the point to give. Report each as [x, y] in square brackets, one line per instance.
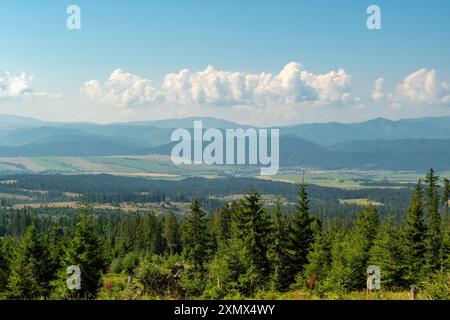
[410, 144]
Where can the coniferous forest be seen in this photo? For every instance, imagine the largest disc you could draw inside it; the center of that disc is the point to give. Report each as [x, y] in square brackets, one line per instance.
[236, 250]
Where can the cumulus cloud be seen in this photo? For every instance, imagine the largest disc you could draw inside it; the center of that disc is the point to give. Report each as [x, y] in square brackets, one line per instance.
[17, 86]
[377, 94]
[293, 85]
[122, 89]
[421, 87]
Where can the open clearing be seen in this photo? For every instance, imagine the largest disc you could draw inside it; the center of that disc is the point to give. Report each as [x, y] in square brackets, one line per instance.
[361, 202]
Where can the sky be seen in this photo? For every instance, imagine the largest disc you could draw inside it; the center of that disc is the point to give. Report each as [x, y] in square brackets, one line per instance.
[253, 62]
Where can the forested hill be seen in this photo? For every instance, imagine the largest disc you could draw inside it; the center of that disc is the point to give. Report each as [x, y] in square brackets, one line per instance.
[412, 144]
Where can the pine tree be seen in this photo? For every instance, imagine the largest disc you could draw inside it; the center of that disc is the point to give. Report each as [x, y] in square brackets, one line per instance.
[255, 233]
[227, 270]
[319, 260]
[415, 233]
[5, 261]
[445, 203]
[222, 224]
[435, 237]
[54, 252]
[279, 255]
[27, 279]
[300, 233]
[361, 241]
[387, 254]
[339, 277]
[195, 237]
[83, 251]
[171, 234]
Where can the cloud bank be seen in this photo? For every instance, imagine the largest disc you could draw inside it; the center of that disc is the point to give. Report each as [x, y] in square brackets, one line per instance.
[292, 86]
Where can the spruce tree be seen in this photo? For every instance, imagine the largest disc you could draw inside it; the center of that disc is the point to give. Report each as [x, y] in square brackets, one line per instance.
[195, 237]
[222, 224]
[255, 233]
[387, 254]
[361, 241]
[279, 255]
[83, 251]
[27, 279]
[339, 278]
[415, 236]
[445, 204]
[435, 237]
[319, 260]
[171, 234]
[5, 261]
[300, 233]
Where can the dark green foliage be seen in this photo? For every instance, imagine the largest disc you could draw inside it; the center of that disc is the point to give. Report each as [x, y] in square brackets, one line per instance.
[361, 241]
[278, 251]
[388, 254]
[171, 234]
[434, 239]
[242, 249]
[254, 230]
[319, 262]
[195, 237]
[415, 233]
[28, 267]
[84, 251]
[300, 233]
[6, 249]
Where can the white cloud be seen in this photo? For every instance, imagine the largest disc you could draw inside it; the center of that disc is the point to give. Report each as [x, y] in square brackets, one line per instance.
[377, 94]
[122, 89]
[12, 86]
[292, 86]
[421, 87]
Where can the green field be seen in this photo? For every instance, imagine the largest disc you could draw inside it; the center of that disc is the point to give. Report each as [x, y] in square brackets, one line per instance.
[161, 167]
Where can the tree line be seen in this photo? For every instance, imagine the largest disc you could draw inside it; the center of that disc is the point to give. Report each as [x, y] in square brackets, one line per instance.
[240, 250]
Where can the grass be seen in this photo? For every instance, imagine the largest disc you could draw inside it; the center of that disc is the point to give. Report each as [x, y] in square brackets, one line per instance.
[361, 202]
[350, 179]
[115, 286]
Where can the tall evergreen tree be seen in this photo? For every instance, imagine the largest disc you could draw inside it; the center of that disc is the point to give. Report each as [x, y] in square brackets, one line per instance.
[387, 253]
[171, 234]
[339, 278]
[361, 241]
[83, 251]
[415, 233]
[5, 261]
[222, 224]
[27, 279]
[300, 233]
[279, 254]
[319, 260]
[445, 204]
[434, 240]
[195, 237]
[255, 233]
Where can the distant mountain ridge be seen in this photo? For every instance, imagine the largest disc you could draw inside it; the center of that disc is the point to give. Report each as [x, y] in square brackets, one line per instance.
[409, 144]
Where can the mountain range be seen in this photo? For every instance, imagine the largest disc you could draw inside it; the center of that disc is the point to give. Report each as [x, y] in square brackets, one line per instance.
[408, 144]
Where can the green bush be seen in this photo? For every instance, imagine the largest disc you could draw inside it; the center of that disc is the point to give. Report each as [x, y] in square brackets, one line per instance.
[437, 287]
[116, 265]
[129, 263]
[160, 276]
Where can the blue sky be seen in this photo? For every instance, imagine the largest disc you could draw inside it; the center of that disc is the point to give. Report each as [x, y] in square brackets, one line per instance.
[150, 39]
